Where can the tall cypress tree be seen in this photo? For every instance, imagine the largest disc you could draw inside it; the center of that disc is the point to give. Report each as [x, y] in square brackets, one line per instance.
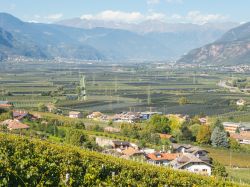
[219, 137]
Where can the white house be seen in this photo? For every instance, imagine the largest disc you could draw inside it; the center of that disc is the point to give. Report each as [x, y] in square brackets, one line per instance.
[197, 167]
[74, 114]
[192, 163]
[240, 102]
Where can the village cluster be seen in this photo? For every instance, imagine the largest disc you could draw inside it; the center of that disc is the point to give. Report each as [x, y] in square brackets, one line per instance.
[177, 156]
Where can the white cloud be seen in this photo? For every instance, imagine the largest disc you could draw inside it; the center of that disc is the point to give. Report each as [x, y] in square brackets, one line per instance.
[54, 16]
[109, 15]
[199, 18]
[46, 19]
[195, 17]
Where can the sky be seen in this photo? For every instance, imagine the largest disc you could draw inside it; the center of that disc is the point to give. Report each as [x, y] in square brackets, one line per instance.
[131, 11]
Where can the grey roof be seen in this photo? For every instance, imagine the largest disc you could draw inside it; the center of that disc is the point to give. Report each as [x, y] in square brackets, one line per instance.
[4, 102]
[195, 150]
[121, 143]
[177, 146]
[185, 159]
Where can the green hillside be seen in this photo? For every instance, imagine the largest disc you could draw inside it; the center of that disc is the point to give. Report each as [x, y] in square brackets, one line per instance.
[26, 162]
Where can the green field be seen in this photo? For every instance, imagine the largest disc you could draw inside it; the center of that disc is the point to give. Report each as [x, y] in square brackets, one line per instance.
[240, 175]
[120, 87]
[230, 158]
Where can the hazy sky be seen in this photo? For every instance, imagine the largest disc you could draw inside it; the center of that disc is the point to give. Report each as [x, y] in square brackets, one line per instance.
[192, 11]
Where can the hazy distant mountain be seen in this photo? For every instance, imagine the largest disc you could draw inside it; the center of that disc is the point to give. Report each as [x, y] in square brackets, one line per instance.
[50, 40]
[148, 26]
[11, 46]
[175, 38]
[232, 48]
[42, 41]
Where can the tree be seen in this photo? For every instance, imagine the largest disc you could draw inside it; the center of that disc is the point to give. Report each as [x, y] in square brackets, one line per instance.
[183, 101]
[219, 138]
[186, 134]
[203, 135]
[218, 124]
[75, 137]
[41, 107]
[234, 144]
[219, 170]
[195, 129]
[237, 130]
[159, 124]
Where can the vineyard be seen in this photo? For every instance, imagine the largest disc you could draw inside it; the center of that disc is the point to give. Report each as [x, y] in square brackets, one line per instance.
[116, 88]
[26, 162]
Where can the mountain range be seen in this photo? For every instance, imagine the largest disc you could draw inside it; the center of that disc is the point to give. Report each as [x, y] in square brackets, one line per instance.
[49, 41]
[232, 48]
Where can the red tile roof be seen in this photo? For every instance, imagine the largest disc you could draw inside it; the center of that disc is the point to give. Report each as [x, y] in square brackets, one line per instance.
[130, 151]
[5, 105]
[165, 136]
[163, 156]
[14, 125]
[241, 136]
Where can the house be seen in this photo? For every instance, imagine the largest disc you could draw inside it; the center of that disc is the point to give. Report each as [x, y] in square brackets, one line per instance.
[158, 158]
[203, 121]
[231, 127]
[5, 104]
[202, 154]
[95, 115]
[120, 144]
[180, 148]
[148, 115]
[14, 125]
[245, 128]
[127, 117]
[167, 137]
[74, 114]
[191, 163]
[240, 102]
[148, 150]
[21, 114]
[131, 152]
[242, 137]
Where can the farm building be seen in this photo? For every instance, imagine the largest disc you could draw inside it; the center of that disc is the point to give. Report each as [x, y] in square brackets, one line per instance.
[231, 127]
[14, 125]
[127, 117]
[74, 114]
[240, 102]
[148, 115]
[95, 115]
[242, 137]
[5, 104]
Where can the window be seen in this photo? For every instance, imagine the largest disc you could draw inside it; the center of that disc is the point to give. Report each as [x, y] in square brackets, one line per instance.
[205, 170]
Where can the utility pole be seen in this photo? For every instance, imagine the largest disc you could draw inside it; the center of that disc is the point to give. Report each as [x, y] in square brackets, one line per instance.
[82, 95]
[149, 95]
